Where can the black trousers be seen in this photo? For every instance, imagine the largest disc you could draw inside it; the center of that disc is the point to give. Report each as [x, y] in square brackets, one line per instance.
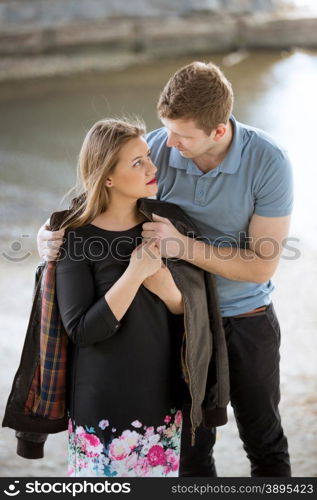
[253, 348]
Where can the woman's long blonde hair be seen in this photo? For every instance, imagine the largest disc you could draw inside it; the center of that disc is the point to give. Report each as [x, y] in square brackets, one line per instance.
[97, 159]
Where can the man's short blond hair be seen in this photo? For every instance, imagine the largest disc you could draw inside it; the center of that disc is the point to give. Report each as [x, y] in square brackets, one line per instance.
[198, 92]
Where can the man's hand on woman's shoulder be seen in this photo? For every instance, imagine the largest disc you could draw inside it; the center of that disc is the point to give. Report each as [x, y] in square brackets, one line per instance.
[49, 242]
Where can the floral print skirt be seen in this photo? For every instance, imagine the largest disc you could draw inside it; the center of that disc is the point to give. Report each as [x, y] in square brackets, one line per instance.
[139, 451]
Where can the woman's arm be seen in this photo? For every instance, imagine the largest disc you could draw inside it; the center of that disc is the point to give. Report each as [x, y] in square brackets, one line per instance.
[163, 285]
[145, 260]
[86, 320]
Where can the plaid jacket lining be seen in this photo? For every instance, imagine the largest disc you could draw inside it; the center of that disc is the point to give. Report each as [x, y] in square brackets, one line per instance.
[47, 395]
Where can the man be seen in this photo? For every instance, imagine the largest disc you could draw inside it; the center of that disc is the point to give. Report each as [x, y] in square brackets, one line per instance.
[236, 184]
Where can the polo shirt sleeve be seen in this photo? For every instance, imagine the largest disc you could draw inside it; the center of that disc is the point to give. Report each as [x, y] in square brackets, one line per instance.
[274, 188]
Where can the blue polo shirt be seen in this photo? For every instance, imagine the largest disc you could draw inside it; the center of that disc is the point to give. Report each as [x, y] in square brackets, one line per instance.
[255, 177]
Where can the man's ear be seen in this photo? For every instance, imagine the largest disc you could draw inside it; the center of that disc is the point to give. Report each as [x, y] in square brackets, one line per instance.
[219, 131]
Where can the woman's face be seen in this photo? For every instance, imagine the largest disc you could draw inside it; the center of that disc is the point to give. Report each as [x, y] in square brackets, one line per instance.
[134, 174]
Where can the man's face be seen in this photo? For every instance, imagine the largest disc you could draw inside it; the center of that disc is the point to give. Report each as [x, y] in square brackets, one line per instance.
[190, 141]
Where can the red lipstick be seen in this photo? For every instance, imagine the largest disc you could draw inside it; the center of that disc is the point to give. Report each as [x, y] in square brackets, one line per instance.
[153, 181]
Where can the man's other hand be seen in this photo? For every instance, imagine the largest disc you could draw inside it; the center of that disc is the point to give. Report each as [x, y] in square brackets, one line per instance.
[49, 242]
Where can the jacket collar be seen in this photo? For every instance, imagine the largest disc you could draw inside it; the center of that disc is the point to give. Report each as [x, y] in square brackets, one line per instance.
[182, 222]
[147, 206]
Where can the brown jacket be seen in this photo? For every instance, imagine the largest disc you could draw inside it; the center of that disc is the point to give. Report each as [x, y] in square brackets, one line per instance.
[204, 353]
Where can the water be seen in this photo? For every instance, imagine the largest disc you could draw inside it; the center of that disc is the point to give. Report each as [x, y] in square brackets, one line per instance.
[43, 123]
[41, 129]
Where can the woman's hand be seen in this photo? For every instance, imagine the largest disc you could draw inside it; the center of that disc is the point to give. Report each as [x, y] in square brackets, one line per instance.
[145, 259]
[163, 285]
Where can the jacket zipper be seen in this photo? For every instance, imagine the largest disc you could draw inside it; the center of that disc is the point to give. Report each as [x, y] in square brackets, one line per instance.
[193, 428]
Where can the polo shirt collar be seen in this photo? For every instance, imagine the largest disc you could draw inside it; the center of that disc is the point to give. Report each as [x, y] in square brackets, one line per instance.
[228, 166]
[232, 160]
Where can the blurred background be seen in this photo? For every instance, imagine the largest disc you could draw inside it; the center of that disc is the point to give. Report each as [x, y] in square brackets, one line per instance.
[65, 64]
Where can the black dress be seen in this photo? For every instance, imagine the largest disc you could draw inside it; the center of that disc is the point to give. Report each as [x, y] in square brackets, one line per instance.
[124, 417]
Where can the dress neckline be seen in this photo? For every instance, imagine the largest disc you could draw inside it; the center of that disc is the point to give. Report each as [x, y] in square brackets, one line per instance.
[113, 230]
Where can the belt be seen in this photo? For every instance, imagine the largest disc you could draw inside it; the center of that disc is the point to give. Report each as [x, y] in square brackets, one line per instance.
[251, 313]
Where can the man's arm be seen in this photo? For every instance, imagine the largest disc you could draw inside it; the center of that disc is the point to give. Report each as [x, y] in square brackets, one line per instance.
[256, 264]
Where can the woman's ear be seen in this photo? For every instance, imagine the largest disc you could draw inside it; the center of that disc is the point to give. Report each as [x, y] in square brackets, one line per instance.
[108, 182]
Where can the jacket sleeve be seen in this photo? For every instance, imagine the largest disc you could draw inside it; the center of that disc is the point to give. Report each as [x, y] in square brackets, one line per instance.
[30, 444]
[85, 319]
[217, 394]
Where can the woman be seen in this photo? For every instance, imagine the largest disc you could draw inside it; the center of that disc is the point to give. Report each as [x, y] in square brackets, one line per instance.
[123, 314]
[122, 311]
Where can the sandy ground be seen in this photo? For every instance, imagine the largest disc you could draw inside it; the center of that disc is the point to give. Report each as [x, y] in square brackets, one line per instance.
[294, 301]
